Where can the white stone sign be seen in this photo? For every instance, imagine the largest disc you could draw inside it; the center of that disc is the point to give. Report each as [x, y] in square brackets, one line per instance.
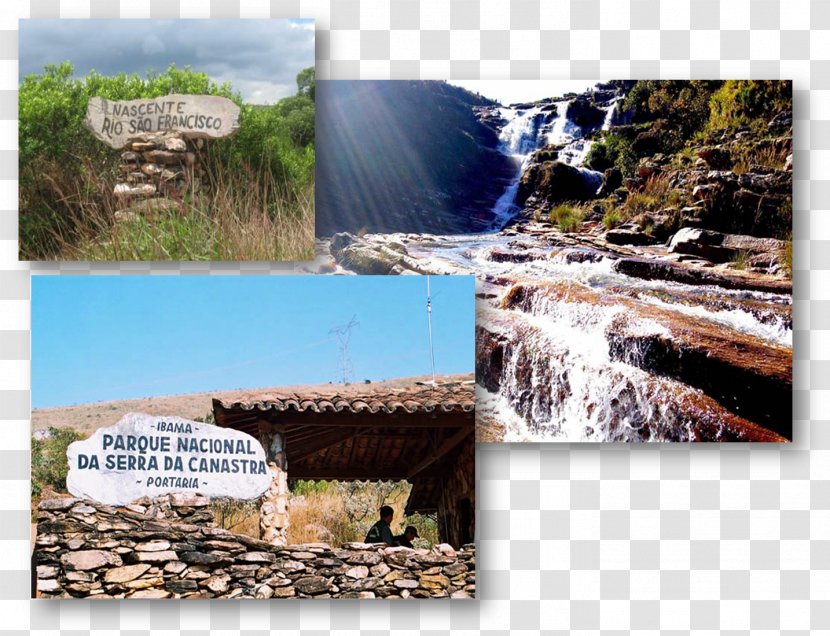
[197, 116]
[148, 455]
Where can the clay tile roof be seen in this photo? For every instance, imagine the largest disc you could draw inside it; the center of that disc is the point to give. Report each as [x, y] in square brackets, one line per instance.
[420, 397]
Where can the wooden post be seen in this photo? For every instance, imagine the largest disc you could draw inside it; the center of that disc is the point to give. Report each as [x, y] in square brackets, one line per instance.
[273, 511]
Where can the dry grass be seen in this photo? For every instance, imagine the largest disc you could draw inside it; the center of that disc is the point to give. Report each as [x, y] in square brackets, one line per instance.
[331, 512]
[745, 158]
[241, 216]
[657, 194]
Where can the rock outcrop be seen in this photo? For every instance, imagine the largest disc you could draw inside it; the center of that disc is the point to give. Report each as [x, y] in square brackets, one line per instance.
[170, 547]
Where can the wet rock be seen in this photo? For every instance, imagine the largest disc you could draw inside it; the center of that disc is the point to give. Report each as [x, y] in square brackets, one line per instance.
[584, 114]
[720, 248]
[340, 241]
[628, 237]
[690, 275]
[782, 122]
[553, 182]
[612, 179]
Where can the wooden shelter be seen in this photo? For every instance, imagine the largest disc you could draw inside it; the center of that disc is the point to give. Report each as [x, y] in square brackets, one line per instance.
[422, 433]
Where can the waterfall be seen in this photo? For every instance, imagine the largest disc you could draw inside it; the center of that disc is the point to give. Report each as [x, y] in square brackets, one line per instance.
[519, 138]
[526, 131]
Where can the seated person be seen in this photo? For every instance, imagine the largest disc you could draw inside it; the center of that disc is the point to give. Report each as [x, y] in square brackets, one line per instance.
[406, 538]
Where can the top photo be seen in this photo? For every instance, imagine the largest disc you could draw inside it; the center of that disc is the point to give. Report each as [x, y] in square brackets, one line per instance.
[155, 140]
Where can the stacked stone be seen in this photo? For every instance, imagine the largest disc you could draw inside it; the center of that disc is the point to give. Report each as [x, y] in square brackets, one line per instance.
[157, 164]
[170, 547]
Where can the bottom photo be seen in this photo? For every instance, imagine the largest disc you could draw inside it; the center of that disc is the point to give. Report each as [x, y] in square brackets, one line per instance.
[253, 437]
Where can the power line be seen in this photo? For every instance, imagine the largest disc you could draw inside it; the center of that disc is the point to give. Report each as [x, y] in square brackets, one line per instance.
[343, 333]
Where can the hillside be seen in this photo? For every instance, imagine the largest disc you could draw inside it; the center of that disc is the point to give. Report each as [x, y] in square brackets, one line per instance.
[86, 418]
[405, 156]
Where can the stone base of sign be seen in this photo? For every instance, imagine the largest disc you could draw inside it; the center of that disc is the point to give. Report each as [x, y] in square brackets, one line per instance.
[273, 512]
[170, 547]
[159, 164]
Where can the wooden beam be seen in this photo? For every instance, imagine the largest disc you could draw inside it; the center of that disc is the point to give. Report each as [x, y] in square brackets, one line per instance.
[298, 453]
[397, 472]
[438, 453]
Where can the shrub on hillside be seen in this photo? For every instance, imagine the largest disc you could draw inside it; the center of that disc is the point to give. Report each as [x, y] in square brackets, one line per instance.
[49, 464]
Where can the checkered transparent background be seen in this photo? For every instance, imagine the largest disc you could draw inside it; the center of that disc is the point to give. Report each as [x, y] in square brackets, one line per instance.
[605, 539]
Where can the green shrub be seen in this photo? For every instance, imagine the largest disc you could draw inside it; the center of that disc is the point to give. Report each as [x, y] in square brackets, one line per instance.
[49, 464]
[567, 217]
[599, 157]
[742, 102]
[611, 219]
[741, 260]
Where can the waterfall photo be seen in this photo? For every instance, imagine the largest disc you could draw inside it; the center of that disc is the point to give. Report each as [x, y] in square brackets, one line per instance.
[631, 242]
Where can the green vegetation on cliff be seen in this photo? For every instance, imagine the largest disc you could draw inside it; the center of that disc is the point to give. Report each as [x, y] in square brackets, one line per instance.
[712, 154]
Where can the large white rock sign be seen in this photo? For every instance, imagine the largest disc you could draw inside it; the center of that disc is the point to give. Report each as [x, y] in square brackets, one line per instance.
[197, 116]
[152, 455]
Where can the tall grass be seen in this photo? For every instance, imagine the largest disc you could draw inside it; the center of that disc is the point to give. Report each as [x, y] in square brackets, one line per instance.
[240, 215]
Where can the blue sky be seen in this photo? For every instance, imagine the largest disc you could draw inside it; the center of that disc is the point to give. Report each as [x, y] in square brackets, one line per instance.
[260, 58]
[97, 338]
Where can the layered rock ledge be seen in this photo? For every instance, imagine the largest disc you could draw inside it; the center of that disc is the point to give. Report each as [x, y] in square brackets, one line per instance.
[170, 547]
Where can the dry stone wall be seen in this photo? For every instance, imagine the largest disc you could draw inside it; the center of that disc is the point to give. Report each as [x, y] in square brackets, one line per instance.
[155, 164]
[170, 547]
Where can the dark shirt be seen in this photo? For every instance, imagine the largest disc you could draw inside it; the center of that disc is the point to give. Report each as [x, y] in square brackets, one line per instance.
[380, 533]
[402, 541]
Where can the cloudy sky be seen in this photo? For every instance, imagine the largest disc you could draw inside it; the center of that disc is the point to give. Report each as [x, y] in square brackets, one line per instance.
[515, 91]
[260, 58]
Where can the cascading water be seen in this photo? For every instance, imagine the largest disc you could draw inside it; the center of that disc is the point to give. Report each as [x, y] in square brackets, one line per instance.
[519, 138]
[526, 131]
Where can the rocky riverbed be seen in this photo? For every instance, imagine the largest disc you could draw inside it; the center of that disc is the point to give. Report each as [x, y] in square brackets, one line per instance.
[582, 339]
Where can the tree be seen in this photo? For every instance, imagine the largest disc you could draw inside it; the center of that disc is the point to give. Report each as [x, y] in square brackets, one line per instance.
[305, 82]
